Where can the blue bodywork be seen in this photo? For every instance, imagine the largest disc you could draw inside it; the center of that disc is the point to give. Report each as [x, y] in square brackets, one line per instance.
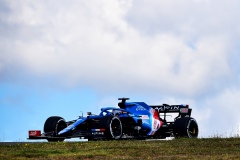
[136, 110]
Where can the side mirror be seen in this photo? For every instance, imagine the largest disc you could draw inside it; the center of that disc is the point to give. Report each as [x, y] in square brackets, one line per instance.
[89, 113]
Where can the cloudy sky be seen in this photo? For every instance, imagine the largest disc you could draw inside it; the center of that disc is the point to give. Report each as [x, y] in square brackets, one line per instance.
[68, 57]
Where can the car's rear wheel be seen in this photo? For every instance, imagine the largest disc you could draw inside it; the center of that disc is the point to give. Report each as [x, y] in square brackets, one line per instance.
[54, 125]
[186, 127]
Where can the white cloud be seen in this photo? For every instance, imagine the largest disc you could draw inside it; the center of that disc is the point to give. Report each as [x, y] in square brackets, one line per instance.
[82, 42]
[224, 118]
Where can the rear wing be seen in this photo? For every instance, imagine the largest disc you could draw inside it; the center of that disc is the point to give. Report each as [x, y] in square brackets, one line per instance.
[183, 110]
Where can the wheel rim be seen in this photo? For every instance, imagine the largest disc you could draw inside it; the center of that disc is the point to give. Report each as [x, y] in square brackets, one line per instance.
[116, 128]
[192, 129]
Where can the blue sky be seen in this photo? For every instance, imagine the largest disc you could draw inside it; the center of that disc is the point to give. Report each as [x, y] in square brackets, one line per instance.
[66, 58]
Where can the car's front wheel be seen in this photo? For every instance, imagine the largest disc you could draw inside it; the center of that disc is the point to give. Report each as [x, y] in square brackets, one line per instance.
[113, 127]
[54, 125]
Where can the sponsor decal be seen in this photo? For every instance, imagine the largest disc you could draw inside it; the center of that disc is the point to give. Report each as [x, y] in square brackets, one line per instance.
[140, 108]
[163, 108]
[144, 116]
[97, 133]
[156, 124]
[34, 133]
[184, 110]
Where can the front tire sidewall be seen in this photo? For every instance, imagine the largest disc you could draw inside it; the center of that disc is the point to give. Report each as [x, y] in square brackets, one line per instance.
[54, 124]
[112, 126]
[108, 122]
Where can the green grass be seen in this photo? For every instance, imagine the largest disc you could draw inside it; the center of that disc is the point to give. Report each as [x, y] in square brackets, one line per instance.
[212, 148]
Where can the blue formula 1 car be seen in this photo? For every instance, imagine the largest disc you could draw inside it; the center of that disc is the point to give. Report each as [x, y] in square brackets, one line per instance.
[132, 120]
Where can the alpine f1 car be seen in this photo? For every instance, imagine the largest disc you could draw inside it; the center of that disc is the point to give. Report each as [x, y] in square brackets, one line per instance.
[135, 120]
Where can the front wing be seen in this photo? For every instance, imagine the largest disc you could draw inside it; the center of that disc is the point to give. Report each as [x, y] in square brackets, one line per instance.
[94, 133]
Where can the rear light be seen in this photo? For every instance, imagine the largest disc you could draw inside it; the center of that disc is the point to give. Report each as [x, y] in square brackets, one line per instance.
[34, 133]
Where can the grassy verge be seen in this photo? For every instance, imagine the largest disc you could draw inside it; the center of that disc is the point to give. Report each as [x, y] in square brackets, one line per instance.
[214, 148]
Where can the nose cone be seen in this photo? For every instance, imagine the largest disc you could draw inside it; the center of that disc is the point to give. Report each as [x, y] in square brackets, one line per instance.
[72, 126]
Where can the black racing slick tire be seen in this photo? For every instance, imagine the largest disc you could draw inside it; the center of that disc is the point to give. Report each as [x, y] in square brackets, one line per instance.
[186, 127]
[54, 124]
[113, 127]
